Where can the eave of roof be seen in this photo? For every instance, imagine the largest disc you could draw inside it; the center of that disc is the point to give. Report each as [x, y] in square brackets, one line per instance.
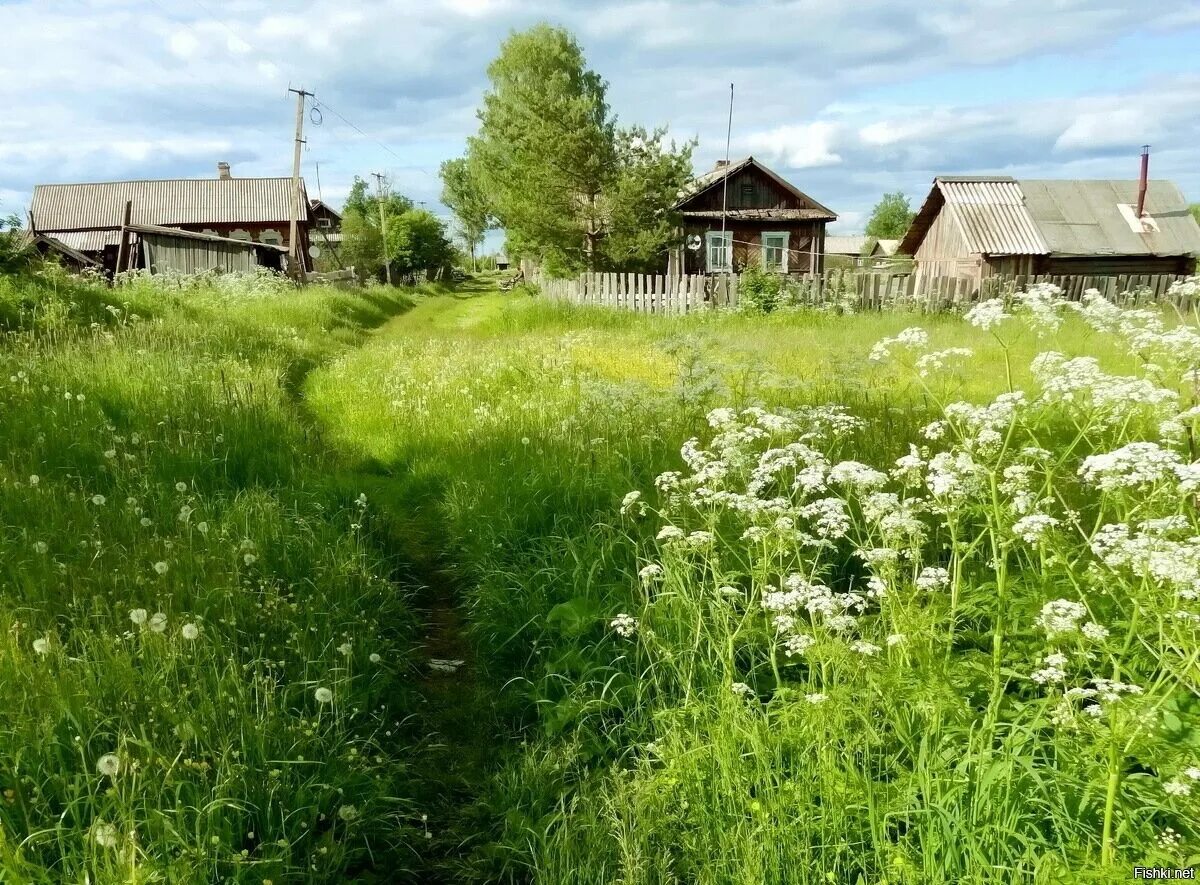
[159, 230]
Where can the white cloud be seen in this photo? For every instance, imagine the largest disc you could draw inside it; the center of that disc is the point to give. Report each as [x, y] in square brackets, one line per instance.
[798, 146]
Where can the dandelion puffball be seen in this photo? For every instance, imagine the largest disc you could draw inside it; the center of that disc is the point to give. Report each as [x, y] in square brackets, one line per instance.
[41, 646]
[158, 622]
[109, 765]
[323, 695]
[189, 631]
[374, 658]
[161, 567]
[138, 616]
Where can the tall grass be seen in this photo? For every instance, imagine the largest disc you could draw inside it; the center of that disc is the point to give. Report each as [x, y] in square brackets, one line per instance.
[204, 657]
[638, 764]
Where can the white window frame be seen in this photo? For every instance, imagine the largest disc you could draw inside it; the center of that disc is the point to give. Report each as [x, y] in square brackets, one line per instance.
[782, 267]
[713, 240]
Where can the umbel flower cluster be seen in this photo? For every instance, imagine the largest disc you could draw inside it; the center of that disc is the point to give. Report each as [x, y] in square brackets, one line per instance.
[1035, 557]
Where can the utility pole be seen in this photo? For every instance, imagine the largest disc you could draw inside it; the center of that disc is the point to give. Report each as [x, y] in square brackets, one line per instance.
[295, 256]
[387, 265]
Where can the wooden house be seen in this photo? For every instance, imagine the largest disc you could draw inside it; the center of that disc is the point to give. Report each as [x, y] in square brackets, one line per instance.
[88, 217]
[768, 222]
[977, 226]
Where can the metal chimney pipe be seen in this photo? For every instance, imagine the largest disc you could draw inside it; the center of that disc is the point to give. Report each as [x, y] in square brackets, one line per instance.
[1143, 181]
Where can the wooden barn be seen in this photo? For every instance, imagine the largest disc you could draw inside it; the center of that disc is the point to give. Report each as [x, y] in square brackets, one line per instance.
[769, 222]
[979, 226]
[89, 217]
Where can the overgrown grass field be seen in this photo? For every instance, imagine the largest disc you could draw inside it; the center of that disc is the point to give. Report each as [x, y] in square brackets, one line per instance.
[794, 598]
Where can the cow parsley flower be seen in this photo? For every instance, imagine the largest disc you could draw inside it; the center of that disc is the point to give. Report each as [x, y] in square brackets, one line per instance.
[624, 624]
[862, 647]
[816, 697]
[798, 644]
[633, 505]
[1060, 617]
[651, 573]
[1094, 631]
[988, 314]
[1032, 529]
[933, 578]
[105, 834]
[741, 688]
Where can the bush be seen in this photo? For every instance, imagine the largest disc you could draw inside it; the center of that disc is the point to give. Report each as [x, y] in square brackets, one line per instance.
[760, 291]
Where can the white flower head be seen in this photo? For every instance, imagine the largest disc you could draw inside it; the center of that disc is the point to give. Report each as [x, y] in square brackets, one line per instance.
[41, 646]
[189, 631]
[158, 622]
[323, 695]
[138, 616]
[624, 624]
[109, 765]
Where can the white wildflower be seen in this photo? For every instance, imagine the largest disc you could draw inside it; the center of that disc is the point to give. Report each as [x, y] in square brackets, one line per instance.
[624, 624]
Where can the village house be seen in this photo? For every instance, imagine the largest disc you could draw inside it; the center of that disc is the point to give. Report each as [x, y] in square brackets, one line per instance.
[977, 226]
[768, 222]
[864, 251]
[191, 224]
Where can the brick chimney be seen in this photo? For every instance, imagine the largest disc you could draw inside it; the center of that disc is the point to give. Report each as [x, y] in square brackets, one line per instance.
[223, 171]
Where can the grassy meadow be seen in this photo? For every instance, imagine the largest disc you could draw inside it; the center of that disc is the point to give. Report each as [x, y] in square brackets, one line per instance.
[734, 602]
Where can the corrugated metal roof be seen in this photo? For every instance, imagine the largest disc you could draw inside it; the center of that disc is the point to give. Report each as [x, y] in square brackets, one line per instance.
[993, 216]
[1000, 215]
[1084, 218]
[89, 240]
[99, 205]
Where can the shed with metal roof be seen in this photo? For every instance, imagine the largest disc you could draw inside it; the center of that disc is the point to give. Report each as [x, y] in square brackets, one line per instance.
[88, 216]
[981, 225]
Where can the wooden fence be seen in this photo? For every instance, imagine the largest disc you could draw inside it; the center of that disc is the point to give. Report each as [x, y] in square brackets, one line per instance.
[847, 290]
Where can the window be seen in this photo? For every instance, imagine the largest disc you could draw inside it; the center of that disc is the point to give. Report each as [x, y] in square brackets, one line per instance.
[775, 250]
[720, 251]
[748, 193]
[324, 222]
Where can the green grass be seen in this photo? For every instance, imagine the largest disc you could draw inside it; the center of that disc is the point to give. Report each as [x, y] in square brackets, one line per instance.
[532, 420]
[494, 438]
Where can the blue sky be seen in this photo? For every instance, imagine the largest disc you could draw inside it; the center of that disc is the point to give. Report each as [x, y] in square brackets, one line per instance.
[847, 101]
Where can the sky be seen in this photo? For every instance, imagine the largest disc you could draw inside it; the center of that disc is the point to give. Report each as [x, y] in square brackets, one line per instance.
[845, 100]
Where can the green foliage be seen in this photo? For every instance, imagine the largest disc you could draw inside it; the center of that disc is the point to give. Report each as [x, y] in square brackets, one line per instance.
[555, 170]
[1195, 209]
[416, 239]
[462, 194]
[14, 252]
[760, 291]
[182, 560]
[890, 218]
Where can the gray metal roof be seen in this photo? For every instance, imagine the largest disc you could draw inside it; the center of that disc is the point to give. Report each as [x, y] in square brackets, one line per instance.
[849, 245]
[1000, 215]
[100, 205]
[1082, 218]
[993, 217]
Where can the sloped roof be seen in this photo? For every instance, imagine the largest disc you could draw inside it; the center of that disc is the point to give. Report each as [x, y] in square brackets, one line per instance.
[715, 176]
[849, 245]
[999, 215]
[176, 233]
[100, 205]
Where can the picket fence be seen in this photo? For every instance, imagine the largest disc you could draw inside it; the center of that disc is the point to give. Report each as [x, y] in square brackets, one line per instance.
[848, 290]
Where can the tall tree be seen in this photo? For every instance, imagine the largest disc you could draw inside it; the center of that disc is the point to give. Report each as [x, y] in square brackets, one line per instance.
[891, 217]
[639, 202]
[416, 239]
[556, 172]
[461, 192]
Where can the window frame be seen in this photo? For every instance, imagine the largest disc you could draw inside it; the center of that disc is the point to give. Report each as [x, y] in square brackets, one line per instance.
[785, 237]
[712, 238]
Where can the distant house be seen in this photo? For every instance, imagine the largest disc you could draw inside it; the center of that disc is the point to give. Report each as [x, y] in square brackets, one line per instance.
[768, 222]
[254, 211]
[501, 262]
[979, 226]
[858, 247]
[325, 221]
